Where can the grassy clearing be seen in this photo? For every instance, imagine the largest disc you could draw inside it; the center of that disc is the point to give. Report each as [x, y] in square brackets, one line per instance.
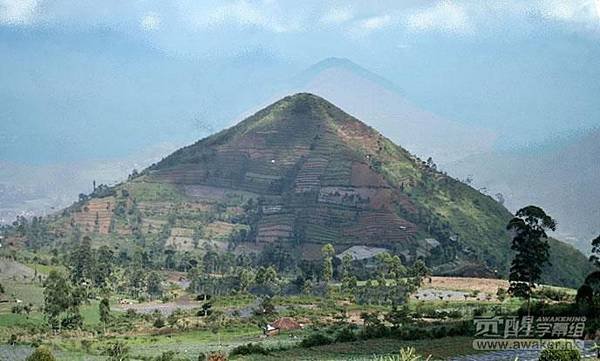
[45, 269]
[26, 292]
[144, 191]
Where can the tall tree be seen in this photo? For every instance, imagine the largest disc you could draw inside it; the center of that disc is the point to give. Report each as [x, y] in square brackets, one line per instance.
[346, 266]
[104, 310]
[595, 257]
[81, 261]
[530, 242]
[154, 284]
[103, 266]
[244, 279]
[328, 250]
[418, 272]
[56, 298]
[328, 253]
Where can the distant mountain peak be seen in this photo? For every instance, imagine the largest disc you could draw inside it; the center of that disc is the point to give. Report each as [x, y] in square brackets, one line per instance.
[382, 105]
[335, 62]
[345, 64]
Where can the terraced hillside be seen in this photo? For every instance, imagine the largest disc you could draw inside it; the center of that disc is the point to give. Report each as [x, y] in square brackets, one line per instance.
[302, 173]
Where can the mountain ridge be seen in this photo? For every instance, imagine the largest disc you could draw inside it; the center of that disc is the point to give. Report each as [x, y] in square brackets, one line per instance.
[312, 129]
[295, 176]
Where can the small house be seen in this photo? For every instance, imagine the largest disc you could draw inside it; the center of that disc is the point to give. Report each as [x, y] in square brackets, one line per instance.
[283, 324]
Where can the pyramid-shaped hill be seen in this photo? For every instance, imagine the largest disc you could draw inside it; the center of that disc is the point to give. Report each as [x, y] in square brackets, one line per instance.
[302, 173]
[316, 171]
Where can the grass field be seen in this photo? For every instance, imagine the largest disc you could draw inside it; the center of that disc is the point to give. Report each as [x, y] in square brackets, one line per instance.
[365, 350]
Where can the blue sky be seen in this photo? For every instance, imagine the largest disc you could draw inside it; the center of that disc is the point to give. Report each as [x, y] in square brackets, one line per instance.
[98, 79]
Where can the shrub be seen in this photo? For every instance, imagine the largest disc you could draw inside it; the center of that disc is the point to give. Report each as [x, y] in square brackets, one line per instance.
[373, 327]
[554, 294]
[41, 354]
[501, 294]
[166, 356]
[406, 354]
[410, 332]
[116, 351]
[315, 339]
[567, 351]
[345, 334]
[455, 314]
[159, 322]
[549, 310]
[249, 349]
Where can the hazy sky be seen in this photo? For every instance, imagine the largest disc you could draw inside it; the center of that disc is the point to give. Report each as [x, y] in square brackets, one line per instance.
[94, 79]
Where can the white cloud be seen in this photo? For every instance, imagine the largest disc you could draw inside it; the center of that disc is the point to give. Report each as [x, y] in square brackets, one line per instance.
[376, 22]
[337, 16]
[356, 18]
[445, 16]
[245, 13]
[150, 22]
[582, 11]
[18, 12]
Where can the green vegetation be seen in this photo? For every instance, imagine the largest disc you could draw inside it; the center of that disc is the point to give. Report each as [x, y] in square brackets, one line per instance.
[300, 233]
[143, 190]
[561, 352]
[41, 354]
[531, 247]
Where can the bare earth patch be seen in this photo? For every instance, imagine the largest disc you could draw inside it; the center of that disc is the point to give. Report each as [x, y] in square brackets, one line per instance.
[467, 284]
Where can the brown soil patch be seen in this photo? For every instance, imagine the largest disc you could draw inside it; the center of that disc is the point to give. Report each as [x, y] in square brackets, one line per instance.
[96, 215]
[467, 284]
[364, 176]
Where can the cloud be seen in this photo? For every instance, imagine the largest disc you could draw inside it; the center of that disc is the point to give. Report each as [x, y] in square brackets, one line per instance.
[246, 13]
[445, 16]
[582, 11]
[337, 16]
[456, 17]
[150, 22]
[17, 12]
[376, 22]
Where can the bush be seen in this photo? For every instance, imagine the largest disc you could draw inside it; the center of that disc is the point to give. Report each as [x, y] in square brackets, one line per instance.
[501, 294]
[159, 322]
[41, 354]
[116, 351]
[249, 349]
[562, 353]
[554, 294]
[549, 309]
[406, 354]
[166, 356]
[462, 328]
[345, 335]
[315, 339]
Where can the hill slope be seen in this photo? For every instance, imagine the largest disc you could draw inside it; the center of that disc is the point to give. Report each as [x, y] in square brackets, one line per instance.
[302, 173]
